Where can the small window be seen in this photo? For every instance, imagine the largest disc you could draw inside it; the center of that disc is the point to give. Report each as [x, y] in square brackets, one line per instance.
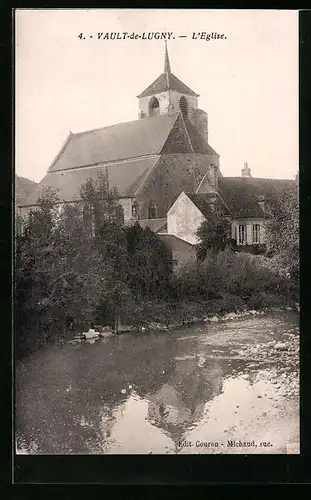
[256, 233]
[242, 234]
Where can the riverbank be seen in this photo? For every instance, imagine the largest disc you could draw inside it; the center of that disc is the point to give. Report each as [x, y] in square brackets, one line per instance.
[191, 313]
[162, 316]
[172, 325]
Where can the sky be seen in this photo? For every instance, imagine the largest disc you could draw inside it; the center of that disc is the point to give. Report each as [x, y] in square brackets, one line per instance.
[247, 81]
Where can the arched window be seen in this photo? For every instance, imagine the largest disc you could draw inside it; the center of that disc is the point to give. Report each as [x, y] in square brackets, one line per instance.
[154, 108]
[152, 210]
[135, 209]
[183, 106]
[119, 215]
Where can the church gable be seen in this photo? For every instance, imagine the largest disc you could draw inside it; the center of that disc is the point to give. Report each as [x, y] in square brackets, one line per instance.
[178, 140]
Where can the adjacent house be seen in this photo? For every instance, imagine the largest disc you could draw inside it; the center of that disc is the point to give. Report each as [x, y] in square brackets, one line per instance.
[182, 251]
[244, 200]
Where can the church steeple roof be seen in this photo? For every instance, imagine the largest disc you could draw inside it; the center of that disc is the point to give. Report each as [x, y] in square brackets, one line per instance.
[167, 81]
[167, 66]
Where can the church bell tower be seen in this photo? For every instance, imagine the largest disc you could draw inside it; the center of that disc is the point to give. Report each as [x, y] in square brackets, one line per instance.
[168, 95]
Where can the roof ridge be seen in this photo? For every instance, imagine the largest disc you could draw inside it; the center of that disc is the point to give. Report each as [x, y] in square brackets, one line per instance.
[118, 161]
[62, 149]
[116, 124]
[256, 178]
[177, 237]
[172, 74]
[187, 133]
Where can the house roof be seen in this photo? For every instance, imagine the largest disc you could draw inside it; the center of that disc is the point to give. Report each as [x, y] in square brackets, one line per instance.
[167, 81]
[203, 202]
[127, 151]
[174, 242]
[241, 194]
[23, 188]
[259, 186]
[154, 224]
[126, 176]
[116, 142]
[139, 138]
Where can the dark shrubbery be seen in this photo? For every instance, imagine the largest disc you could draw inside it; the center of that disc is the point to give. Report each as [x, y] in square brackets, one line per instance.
[232, 281]
[70, 273]
[282, 230]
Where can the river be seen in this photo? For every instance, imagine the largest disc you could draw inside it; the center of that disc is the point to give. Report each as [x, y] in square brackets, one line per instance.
[227, 387]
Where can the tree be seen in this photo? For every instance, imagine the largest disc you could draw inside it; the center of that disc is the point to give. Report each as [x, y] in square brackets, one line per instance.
[214, 233]
[59, 273]
[150, 267]
[282, 230]
[111, 243]
[101, 198]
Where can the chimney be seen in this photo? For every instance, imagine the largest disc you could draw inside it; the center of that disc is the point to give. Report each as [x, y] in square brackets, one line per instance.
[246, 171]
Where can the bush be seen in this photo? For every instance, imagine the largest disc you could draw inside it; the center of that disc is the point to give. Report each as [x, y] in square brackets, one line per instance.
[259, 249]
[231, 280]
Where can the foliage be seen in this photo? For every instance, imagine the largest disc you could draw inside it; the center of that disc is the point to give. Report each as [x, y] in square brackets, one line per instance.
[101, 198]
[69, 275]
[226, 274]
[282, 231]
[59, 273]
[150, 262]
[214, 233]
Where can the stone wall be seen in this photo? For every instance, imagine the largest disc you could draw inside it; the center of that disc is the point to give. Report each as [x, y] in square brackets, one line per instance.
[172, 175]
[164, 99]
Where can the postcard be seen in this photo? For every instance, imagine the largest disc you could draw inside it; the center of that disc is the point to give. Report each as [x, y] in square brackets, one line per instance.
[156, 232]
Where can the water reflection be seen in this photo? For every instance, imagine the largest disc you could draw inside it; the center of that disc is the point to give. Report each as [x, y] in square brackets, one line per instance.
[180, 402]
[147, 393]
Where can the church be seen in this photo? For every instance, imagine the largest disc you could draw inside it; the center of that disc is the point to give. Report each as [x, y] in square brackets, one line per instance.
[163, 168]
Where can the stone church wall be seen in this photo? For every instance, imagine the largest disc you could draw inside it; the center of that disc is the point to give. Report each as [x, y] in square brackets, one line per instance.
[172, 175]
[164, 98]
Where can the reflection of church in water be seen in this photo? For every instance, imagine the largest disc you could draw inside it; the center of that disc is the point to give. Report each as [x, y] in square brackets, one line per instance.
[179, 404]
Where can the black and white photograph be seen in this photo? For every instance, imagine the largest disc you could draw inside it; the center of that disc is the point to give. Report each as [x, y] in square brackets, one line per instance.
[156, 214]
